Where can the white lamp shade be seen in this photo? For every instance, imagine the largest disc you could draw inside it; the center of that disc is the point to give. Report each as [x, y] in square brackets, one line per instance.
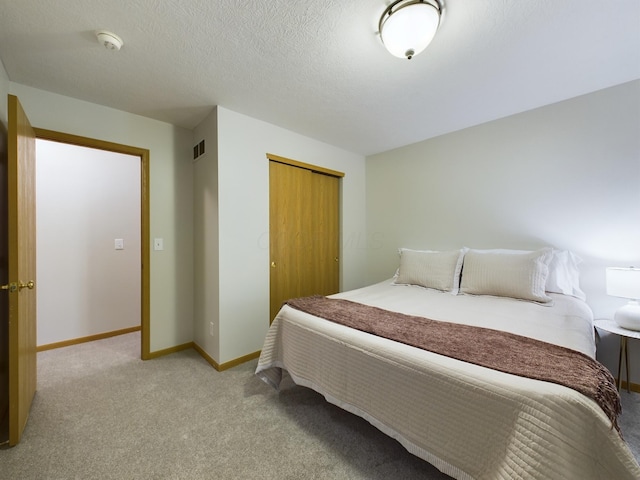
[408, 30]
[623, 282]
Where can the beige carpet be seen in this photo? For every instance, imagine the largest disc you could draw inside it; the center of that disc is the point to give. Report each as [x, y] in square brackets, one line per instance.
[101, 413]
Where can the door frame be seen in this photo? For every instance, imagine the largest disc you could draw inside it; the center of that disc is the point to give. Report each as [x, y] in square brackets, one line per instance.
[145, 280]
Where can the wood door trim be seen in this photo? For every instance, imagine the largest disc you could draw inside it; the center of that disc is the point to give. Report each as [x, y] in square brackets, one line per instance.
[145, 323]
[307, 166]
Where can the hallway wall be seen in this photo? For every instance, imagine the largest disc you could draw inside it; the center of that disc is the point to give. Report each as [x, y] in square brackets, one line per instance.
[86, 199]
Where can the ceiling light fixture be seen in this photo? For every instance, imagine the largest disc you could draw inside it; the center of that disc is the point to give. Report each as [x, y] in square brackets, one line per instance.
[111, 41]
[408, 26]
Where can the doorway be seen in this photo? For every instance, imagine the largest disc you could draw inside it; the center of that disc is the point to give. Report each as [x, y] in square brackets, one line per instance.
[99, 281]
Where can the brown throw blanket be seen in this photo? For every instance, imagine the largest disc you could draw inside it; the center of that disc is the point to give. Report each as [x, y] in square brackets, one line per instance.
[502, 351]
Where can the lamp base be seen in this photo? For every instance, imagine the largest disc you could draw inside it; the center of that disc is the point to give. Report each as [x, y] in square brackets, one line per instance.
[628, 316]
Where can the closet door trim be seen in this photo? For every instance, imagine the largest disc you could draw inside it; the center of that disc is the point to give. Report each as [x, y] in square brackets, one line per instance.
[307, 166]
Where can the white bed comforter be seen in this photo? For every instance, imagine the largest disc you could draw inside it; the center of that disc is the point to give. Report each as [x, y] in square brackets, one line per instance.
[471, 422]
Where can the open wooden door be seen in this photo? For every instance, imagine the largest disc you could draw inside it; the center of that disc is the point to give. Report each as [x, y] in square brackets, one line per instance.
[22, 267]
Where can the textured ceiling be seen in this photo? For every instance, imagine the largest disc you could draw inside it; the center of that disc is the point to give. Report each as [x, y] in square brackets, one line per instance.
[317, 67]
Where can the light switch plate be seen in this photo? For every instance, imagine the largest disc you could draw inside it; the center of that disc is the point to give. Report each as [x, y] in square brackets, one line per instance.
[158, 244]
[119, 243]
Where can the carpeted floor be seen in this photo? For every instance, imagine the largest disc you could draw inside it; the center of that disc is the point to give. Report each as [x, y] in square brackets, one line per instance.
[101, 413]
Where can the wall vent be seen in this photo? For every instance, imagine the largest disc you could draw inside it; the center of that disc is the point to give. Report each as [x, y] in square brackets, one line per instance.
[198, 150]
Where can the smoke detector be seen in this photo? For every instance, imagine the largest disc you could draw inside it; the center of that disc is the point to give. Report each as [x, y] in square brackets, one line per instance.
[110, 40]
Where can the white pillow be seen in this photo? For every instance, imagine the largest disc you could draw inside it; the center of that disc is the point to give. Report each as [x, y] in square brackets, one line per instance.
[430, 269]
[517, 275]
[564, 274]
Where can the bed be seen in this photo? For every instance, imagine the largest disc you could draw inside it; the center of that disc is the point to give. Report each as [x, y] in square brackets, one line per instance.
[468, 420]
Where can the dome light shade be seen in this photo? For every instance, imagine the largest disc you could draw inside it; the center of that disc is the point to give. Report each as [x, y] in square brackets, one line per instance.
[408, 26]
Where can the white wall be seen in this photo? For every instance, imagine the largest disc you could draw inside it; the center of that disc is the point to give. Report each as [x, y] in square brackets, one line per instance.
[206, 238]
[170, 191]
[243, 225]
[85, 199]
[566, 175]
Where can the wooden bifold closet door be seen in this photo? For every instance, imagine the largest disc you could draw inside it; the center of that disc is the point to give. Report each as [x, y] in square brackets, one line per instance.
[304, 231]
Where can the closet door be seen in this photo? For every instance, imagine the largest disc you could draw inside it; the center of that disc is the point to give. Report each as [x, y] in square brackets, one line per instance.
[325, 230]
[304, 226]
[289, 222]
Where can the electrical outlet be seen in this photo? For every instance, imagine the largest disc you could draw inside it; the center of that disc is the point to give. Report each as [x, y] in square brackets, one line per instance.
[211, 328]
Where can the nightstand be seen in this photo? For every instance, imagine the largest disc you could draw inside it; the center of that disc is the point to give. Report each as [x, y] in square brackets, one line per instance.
[612, 327]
